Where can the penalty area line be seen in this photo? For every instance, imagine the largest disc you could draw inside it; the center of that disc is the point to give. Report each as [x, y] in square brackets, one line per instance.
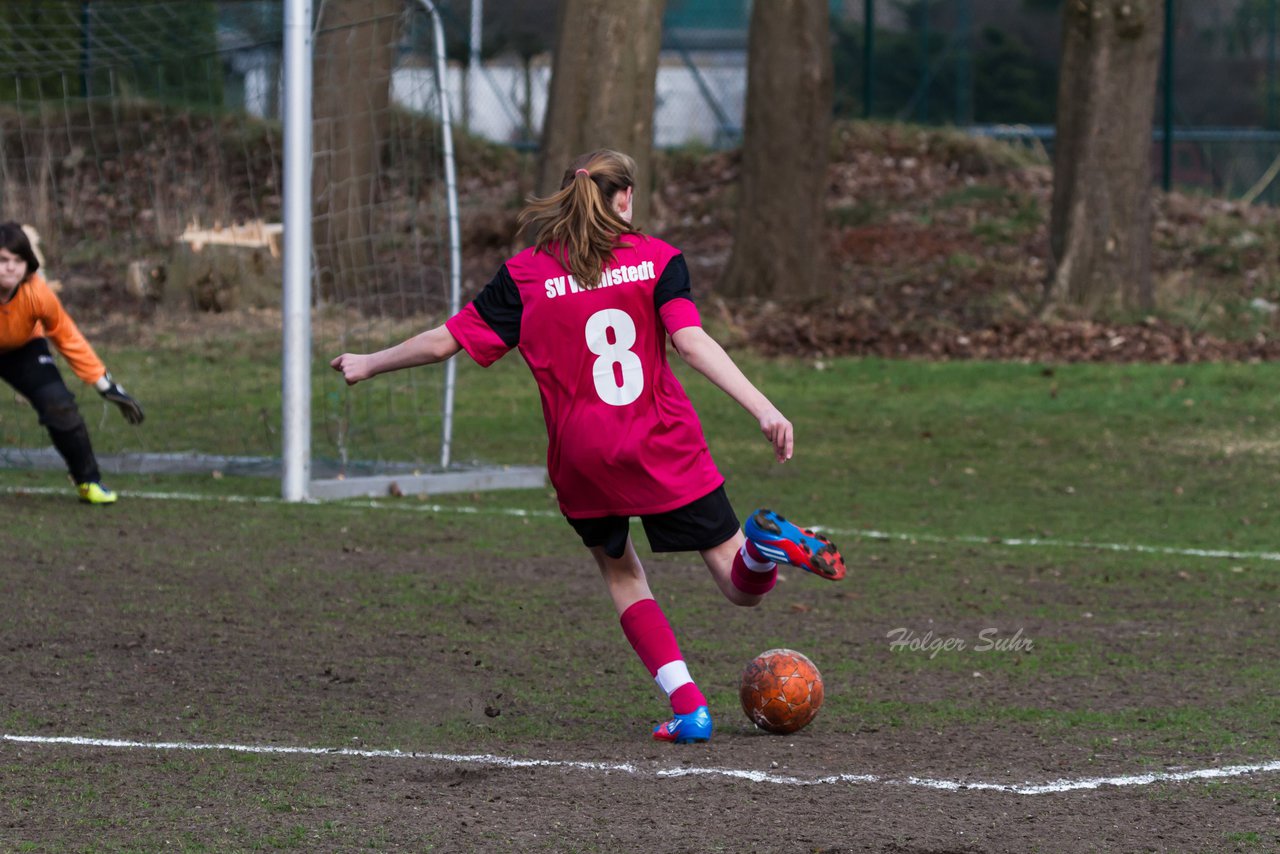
[487, 759]
[865, 533]
[1037, 542]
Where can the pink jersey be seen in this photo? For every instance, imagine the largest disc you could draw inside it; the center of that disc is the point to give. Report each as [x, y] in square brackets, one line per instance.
[624, 439]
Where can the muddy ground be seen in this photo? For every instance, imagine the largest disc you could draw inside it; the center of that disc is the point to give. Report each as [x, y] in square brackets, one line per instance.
[203, 634]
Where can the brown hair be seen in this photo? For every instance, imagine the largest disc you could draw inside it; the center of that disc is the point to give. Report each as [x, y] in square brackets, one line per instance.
[14, 239]
[578, 224]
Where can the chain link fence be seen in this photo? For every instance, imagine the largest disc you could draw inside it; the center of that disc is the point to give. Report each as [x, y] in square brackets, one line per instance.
[141, 141]
[986, 65]
[990, 66]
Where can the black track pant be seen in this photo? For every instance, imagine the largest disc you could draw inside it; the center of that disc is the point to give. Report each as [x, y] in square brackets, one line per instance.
[32, 373]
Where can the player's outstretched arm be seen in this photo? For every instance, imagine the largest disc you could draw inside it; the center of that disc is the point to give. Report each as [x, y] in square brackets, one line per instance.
[425, 348]
[708, 358]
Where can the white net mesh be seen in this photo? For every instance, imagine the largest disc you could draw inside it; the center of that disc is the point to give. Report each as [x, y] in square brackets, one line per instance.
[142, 141]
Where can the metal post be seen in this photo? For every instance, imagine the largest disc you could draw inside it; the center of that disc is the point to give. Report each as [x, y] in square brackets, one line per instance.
[473, 63]
[922, 106]
[868, 55]
[964, 64]
[726, 133]
[86, 48]
[455, 235]
[296, 391]
[1166, 145]
[1272, 107]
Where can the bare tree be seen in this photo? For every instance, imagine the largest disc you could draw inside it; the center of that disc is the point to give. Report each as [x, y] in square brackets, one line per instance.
[778, 241]
[1100, 222]
[354, 50]
[602, 88]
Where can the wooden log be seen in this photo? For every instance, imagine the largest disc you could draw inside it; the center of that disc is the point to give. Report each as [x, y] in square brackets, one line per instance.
[221, 269]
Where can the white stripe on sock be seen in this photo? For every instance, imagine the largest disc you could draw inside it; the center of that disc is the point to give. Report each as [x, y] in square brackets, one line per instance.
[753, 564]
[672, 675]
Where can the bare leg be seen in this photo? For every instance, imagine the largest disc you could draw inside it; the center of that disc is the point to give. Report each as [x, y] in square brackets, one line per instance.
[719, 562]
[624, 576]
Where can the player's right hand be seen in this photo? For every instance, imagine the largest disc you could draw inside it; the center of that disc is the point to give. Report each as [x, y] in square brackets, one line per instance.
[354, 367]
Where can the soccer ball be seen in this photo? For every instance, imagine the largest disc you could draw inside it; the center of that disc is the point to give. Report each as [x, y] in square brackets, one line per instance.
[781, 691]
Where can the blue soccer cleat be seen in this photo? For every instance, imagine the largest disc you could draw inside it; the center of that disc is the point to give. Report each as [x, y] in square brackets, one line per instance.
[683, 729]
[782, 542]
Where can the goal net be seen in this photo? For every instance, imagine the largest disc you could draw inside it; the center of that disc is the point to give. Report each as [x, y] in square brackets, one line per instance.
[143, 143]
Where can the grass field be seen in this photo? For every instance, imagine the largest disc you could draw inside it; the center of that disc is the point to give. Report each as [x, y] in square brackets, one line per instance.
[1114, 526]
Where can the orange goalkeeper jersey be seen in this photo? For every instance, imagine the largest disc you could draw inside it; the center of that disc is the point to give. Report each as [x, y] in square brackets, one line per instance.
[36, 312]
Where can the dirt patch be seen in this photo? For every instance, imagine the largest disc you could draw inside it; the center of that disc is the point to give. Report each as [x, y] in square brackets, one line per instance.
[343, 804]
[201, 633]
[1228, 445]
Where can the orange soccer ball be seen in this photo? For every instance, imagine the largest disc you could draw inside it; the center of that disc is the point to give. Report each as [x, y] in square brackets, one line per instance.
[781, 691]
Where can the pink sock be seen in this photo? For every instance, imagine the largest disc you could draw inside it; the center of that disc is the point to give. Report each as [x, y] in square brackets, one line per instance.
[650, 635]
[754, 580]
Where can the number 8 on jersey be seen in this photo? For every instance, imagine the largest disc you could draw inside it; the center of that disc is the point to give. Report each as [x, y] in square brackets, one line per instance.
[618, 373]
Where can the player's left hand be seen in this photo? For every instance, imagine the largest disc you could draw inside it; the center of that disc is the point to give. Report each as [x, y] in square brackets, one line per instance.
[130, 408]
[778, 430]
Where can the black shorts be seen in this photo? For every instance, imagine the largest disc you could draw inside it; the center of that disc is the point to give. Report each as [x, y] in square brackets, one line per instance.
[701, 524]
[31, 371]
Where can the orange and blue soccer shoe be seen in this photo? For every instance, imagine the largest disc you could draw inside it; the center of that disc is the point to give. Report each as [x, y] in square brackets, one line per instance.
[782, 542]
[683, 729]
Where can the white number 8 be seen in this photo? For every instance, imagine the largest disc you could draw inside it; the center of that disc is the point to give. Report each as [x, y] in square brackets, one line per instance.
[618, 373]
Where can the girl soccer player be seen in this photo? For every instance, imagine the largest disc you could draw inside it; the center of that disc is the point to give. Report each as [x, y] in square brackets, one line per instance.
[30, 316]
[591, 305]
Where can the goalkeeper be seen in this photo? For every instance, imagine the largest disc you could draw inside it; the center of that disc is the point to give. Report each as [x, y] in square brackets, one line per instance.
[30, 316]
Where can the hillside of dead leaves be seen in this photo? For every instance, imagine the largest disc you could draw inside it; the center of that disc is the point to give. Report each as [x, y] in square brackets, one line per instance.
[939, 249]
[937, 244]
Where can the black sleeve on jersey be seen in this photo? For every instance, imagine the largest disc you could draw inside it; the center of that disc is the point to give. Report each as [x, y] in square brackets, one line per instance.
[500, 306]
[673, 283]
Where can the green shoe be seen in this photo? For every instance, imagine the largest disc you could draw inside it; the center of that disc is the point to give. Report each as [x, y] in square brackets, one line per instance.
[95, 493]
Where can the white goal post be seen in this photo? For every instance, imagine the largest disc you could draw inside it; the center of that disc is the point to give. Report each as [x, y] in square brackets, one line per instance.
[225, 212]
[297, 483]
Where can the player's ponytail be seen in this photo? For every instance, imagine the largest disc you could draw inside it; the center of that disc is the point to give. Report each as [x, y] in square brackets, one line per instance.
[578, 224]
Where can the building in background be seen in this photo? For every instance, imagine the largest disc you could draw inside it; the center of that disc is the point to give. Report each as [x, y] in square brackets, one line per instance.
[990, 65]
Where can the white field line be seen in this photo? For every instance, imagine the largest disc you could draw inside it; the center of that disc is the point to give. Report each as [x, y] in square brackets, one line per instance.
[488, 759]
[868, 533]
[1051, 787]
[1048, 543]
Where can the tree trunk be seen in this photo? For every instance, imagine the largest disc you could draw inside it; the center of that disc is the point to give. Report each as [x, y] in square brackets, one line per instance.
[778, 244]
[354, 50]
[602, 89]
[1100, 221]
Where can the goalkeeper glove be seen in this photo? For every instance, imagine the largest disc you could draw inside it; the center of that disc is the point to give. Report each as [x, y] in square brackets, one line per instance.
[111, 390]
